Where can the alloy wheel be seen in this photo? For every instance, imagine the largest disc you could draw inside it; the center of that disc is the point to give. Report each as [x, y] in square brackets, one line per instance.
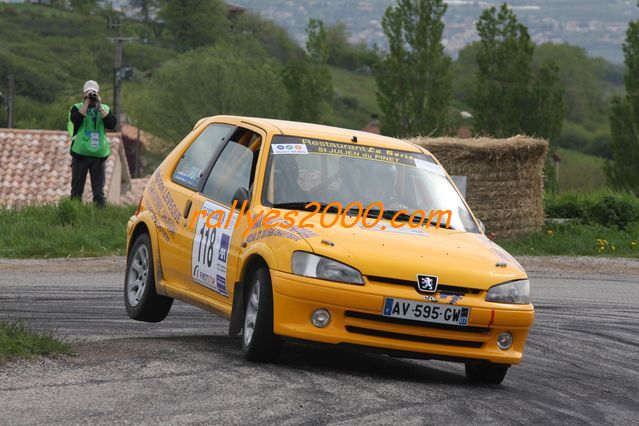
[251, 313]
[137, 277]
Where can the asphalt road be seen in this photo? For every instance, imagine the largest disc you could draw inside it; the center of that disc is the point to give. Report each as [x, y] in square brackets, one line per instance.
[581, 363]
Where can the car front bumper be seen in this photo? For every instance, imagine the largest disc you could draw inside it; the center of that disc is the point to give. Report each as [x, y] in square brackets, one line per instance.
[356, 319]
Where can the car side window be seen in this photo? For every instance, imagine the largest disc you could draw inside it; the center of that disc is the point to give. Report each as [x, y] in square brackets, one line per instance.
[190, 169]
[232, 170]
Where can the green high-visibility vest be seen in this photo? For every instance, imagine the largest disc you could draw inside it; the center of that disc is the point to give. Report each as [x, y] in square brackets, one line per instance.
[91, 139]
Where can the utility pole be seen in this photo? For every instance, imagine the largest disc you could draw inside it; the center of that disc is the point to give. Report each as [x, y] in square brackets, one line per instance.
[10, 98]
[136, 172]
[117, 81]
[113, 23]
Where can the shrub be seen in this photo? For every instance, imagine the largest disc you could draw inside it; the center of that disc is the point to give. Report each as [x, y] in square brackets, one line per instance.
[612, 209]
[574, 136]
[617, 211]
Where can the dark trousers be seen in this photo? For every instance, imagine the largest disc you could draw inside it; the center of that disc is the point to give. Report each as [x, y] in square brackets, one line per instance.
[79, 168]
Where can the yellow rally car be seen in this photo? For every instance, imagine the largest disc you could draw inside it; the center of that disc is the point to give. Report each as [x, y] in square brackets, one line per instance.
[332, 246]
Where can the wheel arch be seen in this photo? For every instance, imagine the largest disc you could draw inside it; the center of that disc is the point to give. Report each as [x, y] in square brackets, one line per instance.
[252, 262]
[143, 225]
[140, 228]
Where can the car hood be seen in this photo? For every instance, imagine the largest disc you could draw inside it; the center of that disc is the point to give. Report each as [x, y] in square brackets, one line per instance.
[456, 258]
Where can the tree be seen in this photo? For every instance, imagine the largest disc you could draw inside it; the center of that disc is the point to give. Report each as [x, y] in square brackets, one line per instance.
[234, 79]
[308, 79]
[584, 100]
[277, 42]
[623, 171]
[83, 6]
[195, 23]
[464, 72]
[145, 7]
[339, 49]
[413, 78]
[510, 97]
[344, 54]
[547, 106]
[504, 74]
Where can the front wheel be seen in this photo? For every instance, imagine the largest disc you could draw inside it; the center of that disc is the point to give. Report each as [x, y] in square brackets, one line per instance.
[486, 373]
[259, 343]
[140, 298]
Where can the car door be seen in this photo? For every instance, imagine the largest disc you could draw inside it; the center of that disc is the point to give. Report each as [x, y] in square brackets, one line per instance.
[215, 248]
[185, 180]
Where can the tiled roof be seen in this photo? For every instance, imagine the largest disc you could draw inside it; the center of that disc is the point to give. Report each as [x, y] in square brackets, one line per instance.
[131, 132]
[149, 141]
[137, 189]
[35, 167]
[372, 127]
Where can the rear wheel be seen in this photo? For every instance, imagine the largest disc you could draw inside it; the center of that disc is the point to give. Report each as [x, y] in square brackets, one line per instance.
[259, 343]
[486, 373]
[140, 298]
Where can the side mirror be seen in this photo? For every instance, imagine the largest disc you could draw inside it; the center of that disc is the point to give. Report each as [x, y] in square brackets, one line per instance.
[241, 195]
[482, 226]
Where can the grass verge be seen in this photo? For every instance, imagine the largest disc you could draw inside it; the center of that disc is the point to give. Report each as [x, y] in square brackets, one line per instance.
[577, 239]
[68, 229]
[19, 341]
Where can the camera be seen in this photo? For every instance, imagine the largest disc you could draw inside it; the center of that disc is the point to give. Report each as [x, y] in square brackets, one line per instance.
[93, 96]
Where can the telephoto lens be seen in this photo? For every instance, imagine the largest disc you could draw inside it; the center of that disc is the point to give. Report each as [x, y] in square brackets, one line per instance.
[93, 96]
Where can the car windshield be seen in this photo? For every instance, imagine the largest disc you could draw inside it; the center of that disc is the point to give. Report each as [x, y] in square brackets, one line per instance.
[302, 170]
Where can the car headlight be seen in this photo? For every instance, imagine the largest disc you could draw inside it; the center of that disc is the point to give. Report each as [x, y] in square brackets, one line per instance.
[311, 265]
[513, 292]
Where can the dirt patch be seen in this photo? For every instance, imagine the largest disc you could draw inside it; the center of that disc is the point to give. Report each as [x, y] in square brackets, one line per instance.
[81, 264]
[581, 265]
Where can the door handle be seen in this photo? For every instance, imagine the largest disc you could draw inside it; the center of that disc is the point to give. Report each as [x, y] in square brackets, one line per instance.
[187, 209]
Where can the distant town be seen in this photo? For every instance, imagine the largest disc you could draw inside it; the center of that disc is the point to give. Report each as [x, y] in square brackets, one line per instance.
[597, 25]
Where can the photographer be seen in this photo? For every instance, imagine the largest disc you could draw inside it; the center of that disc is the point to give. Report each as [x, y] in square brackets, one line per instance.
[89, 144]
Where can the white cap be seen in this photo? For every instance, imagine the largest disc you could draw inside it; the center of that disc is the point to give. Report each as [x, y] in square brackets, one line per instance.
[91, 85]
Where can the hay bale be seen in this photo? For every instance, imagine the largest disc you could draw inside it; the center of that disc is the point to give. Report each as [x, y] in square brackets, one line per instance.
[505, 179]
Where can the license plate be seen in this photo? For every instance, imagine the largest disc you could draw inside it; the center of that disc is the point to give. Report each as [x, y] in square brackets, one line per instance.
[426, 312]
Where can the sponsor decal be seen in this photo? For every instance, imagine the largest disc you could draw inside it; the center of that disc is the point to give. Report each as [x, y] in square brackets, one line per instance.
[430, 167]
[298, 148]
[454, 297]
[164, 212]
[209, 254]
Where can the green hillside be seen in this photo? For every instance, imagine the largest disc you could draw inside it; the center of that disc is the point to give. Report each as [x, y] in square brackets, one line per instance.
[580, 172]
[355, 99]
[52, 51]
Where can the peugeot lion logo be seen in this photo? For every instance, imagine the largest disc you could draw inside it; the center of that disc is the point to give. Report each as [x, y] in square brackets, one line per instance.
[426, 283]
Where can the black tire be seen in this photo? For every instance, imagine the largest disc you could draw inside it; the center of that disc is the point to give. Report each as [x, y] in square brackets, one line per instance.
[261, 345]
[143, 304]
[486, 373]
